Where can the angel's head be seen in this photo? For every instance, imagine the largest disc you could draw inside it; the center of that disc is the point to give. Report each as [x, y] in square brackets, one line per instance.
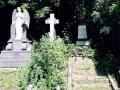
[19, 9]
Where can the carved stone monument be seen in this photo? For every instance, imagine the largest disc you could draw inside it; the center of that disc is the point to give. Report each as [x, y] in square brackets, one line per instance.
[82, 36]
[18, 49]
[82, 32]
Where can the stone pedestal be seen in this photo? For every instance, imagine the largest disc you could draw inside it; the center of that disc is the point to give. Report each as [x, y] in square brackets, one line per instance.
[82, 36]
[17, 53]
[13, 59]
[18, 45]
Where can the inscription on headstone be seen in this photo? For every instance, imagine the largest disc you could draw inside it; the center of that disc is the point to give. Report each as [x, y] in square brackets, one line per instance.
[82, 34]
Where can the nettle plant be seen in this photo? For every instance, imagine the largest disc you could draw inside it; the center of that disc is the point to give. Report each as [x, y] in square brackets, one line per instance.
[47, 67]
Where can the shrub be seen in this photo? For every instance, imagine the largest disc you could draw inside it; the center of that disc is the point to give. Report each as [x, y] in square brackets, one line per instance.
[84, 51]
[47, 66]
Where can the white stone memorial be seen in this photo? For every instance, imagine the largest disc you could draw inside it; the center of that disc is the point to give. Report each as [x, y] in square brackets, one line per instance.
[52, 20]
[18, 49]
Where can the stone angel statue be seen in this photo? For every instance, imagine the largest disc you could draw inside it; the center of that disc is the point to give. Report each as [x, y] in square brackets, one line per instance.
[21, 20]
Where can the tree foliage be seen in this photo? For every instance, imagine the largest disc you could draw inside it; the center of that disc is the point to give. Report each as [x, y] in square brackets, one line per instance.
[102, 18]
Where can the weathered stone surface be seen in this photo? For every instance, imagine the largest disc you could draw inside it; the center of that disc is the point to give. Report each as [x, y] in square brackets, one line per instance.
[12, 63]
[13, 59]
[9, 46]
[81, 43]
[15, 55]
[82, 33]
[12, 32]
[17, 45]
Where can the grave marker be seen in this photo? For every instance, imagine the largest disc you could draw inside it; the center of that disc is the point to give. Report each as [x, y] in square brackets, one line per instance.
[18, 49]
[52, 20]
[82, 36]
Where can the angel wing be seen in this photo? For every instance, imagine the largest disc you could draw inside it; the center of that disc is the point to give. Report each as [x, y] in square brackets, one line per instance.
[26, 17]
[13, 15]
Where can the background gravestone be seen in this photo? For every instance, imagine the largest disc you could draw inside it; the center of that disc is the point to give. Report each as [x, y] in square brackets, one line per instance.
[82, 36]
[82, 33]
[17, 52]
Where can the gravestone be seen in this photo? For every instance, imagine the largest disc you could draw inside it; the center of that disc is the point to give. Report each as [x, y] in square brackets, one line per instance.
[52, 20]
[82, 36]
[18, 49]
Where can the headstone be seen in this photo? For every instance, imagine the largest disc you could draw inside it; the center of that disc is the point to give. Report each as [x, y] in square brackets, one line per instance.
[18, 49]
[52, 20]
[82, 36]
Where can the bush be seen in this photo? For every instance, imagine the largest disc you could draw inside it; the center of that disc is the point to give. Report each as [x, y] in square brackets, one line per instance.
[84, 51]
[47, 67]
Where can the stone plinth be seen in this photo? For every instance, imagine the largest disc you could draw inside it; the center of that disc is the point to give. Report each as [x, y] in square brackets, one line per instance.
[82, 42]
[18, 45]
[17, 53]
[12, 63]
[13, 59]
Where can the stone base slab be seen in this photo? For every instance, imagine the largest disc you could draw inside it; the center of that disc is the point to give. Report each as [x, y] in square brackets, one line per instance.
[82, 43]
[12, 63]
[14, 59]
[15, 54]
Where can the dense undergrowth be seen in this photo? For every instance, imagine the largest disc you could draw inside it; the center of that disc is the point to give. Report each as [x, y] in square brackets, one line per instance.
[46, 69]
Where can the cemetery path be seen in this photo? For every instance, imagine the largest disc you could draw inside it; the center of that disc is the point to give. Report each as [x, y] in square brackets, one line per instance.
[83, 76]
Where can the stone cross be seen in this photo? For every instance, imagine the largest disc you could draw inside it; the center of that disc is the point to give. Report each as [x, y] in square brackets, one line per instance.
[52, 20]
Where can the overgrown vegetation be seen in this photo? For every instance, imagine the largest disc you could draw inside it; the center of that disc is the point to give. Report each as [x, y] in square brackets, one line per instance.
[46, 69]
[84, 51]
[102, 18]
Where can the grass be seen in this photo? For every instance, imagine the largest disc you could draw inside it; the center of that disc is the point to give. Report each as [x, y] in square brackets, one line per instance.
[8, 79]
[88, 64]
[93, 88]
